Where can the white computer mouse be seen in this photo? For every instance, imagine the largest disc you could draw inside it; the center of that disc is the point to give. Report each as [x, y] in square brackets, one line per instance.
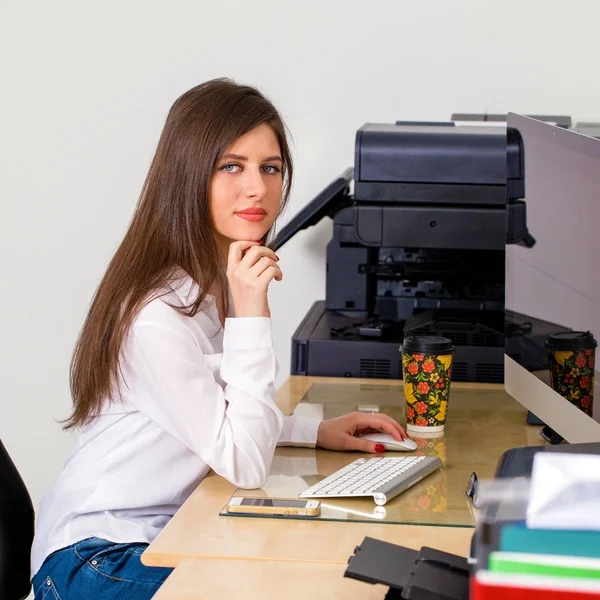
[389, 442]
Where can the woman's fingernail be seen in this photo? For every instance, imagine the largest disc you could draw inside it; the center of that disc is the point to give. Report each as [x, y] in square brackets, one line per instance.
[277, 257]
[259, 242]
[379, 448]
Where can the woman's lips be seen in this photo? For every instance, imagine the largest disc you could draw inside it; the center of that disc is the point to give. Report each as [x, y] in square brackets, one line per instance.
[252, 215]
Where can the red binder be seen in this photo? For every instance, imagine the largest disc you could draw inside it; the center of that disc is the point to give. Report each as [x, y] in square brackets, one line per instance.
[486, 585]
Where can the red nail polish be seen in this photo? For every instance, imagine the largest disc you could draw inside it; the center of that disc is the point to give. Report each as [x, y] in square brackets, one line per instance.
[379, 448]
[259, 242]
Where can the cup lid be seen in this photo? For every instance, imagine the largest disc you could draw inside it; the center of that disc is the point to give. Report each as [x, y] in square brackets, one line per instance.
[427, 344]
[571, 340]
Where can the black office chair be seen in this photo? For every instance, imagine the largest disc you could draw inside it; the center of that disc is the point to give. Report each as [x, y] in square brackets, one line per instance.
[16, 531]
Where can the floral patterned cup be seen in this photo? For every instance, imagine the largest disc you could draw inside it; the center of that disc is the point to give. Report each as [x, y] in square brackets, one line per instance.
[571, 361]
[427, 363]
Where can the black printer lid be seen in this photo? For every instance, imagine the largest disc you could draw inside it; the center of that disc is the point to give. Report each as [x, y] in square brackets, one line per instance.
[333, 198]
[433, 154]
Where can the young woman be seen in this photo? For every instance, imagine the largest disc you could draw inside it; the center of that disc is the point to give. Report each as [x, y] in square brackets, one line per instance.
[173, 373]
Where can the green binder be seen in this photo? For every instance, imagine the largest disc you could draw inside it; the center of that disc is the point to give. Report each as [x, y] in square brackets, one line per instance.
[544, 564]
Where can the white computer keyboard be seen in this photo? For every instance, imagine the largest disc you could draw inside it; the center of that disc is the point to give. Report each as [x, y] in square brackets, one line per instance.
[383, 478]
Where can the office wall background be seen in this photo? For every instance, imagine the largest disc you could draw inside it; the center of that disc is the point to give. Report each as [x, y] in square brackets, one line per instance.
[85, 90]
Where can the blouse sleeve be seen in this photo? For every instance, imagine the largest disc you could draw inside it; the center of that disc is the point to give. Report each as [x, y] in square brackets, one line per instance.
[234, 428]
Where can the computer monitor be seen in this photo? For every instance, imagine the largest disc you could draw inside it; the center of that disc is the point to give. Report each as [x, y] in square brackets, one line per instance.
[553, 280]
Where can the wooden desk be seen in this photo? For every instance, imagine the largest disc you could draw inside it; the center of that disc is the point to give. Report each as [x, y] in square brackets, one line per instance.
[197, 530]
[264, 580]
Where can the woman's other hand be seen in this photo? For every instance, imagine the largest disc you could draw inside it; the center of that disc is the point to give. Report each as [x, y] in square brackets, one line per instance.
[340, 433]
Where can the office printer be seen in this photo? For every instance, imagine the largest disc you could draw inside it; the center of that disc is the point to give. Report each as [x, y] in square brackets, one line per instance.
[420, 226]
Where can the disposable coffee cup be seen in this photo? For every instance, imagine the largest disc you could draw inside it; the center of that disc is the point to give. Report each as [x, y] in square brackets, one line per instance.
[571, 362]
[427, 368]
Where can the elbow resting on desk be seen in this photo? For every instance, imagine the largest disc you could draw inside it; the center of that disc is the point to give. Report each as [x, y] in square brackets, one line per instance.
[249, 472]
[251, 483]
[246, 462]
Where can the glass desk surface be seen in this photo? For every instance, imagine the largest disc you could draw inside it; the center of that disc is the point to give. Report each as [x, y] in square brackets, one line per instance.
[481, 425]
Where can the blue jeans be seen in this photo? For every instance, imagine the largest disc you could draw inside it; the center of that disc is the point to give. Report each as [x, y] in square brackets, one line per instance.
[95, 568]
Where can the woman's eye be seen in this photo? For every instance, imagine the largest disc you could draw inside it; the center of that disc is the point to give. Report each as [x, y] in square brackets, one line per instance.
[271, 169]
[230, 168]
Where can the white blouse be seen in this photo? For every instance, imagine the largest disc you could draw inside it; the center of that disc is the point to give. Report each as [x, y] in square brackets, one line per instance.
[195, 397]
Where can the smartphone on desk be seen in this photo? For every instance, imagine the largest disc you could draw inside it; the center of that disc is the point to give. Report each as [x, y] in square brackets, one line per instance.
[273, 506]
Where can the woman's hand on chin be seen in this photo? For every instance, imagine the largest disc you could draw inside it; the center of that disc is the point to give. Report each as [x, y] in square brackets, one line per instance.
[250, 269]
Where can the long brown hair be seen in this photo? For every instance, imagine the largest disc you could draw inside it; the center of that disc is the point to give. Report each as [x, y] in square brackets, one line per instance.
[171, 229]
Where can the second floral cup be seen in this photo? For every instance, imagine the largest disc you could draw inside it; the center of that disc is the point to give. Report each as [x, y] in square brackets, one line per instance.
[427, 368]
[571, 361]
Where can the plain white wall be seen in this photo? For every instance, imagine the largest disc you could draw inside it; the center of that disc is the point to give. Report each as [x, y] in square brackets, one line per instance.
[85, 89]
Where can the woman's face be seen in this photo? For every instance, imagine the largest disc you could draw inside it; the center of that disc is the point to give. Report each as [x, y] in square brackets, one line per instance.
[245, 190]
